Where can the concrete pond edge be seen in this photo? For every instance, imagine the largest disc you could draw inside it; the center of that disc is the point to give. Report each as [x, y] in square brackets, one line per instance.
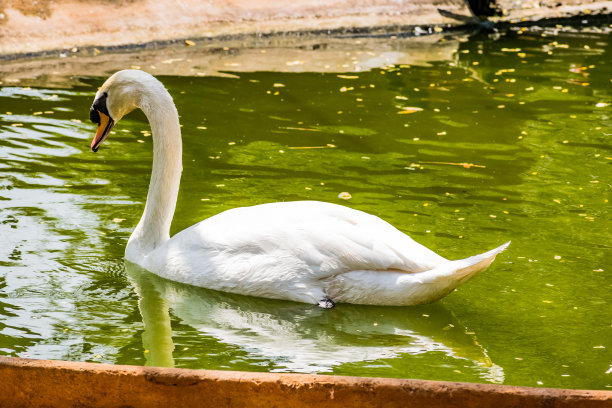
[48, 383]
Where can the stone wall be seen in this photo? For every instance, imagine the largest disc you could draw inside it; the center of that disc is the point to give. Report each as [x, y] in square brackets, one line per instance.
[66, 24]
[33, 27]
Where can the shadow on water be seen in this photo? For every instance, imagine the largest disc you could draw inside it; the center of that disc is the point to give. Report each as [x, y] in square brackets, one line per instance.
[299, 337]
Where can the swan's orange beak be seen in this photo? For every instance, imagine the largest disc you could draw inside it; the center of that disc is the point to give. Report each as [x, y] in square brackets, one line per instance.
[104, 127]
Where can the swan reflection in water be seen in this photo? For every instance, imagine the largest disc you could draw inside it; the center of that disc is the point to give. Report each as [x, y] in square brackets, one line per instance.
[299, 337]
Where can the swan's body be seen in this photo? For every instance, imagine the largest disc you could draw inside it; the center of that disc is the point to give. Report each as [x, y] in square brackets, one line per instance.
[303, 251]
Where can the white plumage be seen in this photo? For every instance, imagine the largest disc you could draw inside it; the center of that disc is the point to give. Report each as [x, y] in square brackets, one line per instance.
[305, 251]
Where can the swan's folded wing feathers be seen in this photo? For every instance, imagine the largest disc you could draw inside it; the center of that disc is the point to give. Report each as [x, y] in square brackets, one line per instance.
[325, 238]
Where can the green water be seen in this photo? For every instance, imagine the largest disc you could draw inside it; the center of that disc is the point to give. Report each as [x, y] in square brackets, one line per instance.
[512, 143]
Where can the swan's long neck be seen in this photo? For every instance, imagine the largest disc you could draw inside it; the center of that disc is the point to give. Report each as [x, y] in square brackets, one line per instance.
[154, 226]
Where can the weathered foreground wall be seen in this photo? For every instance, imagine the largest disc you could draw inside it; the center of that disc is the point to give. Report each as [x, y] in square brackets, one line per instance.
[44, 383]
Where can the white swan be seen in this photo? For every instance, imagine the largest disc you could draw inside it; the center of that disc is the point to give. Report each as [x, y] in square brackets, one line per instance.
[305, 251]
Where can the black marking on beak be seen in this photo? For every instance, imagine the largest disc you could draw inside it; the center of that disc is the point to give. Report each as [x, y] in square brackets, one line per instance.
[99, 104]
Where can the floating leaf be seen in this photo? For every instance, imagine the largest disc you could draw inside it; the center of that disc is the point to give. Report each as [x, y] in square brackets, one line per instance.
[300, 128]
[328, 146]
[411, 109]
[465, 165]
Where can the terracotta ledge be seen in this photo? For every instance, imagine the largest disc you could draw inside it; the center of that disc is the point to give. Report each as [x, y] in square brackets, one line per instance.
[45, 383]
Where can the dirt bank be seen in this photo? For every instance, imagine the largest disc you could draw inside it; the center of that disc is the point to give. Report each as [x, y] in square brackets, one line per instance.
[65, 24]
[34, 27]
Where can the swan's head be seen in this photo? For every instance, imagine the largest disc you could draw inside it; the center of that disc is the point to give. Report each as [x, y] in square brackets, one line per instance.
[123, 92]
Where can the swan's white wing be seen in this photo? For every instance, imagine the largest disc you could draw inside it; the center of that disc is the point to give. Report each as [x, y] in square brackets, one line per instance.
[305, 237]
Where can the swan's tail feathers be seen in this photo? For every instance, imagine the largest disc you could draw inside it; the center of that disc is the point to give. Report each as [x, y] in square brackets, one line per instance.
[446, 277]
[468, 267]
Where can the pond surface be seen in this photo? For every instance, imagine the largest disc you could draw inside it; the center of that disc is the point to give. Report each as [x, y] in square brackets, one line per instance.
[508, 139]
